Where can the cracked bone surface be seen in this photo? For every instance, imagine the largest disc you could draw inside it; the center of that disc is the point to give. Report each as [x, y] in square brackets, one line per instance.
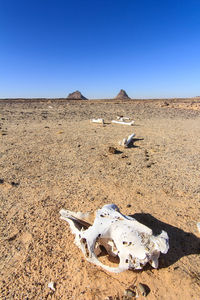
[120, 235]
[125, 142]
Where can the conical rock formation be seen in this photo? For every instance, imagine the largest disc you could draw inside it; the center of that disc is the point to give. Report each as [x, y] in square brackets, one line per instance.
[122, 95]
[76, 96]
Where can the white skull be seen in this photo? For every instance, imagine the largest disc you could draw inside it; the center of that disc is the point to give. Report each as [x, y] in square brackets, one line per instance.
[121, 236]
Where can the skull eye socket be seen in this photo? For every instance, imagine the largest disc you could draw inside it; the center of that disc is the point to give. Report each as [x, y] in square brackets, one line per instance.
[126, 261]
[124, 243]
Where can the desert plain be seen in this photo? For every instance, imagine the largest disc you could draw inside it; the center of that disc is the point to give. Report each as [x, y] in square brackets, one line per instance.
[53, 157]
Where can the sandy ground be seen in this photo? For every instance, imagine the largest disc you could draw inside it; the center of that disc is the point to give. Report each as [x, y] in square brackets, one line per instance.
[52, 157]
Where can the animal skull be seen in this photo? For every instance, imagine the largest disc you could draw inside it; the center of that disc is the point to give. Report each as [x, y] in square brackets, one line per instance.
[121, 236]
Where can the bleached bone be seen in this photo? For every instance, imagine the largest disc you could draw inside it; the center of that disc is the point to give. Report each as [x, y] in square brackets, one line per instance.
[198, 226]
[121, 118]
[100, 121]
[125, 142]
[51, 286]
[123, 123]
[121, 236]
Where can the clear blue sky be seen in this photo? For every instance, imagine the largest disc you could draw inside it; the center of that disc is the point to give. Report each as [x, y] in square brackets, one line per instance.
[49, 48]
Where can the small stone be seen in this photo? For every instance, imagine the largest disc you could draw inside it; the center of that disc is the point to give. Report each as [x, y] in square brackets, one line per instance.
[139, 193]
[112, 150]
[1, 181]
[129, 293]
[128, 205]
[143, 289]
[14, 183]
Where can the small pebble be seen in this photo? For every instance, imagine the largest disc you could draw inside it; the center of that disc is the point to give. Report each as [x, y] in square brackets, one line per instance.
[129, 293]
[112, 150]
[14, 183]
[142, 289]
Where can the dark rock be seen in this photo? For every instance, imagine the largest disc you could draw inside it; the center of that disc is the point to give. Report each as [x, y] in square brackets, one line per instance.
[14, 183]
[113, 150]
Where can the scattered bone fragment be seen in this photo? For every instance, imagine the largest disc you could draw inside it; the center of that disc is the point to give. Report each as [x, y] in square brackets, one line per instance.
[99, 121]
[51, 285]
[198, 226]
[123, 123]
[121, 118]
[120, 235]
[126, 142]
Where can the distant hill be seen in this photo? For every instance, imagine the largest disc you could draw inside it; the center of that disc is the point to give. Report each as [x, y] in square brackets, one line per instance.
[122, 95]
[76, 96]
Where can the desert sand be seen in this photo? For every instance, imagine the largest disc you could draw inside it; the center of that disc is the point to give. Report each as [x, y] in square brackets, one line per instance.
[52, 157]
